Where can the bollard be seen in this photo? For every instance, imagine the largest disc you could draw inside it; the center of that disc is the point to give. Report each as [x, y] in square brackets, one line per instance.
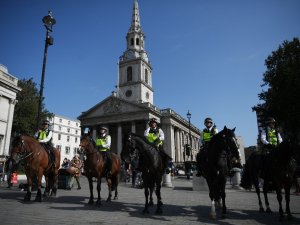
[236, 179]
[167, 180]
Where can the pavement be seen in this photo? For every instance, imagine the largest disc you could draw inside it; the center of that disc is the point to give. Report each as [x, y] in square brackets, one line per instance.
[182, 206]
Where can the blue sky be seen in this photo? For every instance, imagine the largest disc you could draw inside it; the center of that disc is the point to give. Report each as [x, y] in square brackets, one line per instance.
[207, 55]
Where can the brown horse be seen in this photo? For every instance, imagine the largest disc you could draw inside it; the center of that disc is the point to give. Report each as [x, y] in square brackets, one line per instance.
[36, 161]
[94, 166]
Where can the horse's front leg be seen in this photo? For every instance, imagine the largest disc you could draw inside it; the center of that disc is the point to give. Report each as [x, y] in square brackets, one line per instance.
[213, 214]
[266, 189]
[257, 190]
[158, 195]
[287, 190]
[279, 199]
[109, 184]
[91, 200]
[38, 197]
[29, 186]
[223, 196]
[54, 182]
[151, 203]
[47, 188]
[98, 191]
[146, 192]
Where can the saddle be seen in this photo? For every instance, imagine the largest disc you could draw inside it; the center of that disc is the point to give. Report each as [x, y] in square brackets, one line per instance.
[49, 150]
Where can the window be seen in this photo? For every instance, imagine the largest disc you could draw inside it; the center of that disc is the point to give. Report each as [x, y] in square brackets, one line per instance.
[146, 76]
[131, 41]
[76, 124]
[69, 122]
[59, 128]
[68, 138]
[129, 73]
[137, 41]
[60, 120]
[58, 147]
[76, 131]
[59, 137]
[68, 130]
[76, 140]
[67, 150]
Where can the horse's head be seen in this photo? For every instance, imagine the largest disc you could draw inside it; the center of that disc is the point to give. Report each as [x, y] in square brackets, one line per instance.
[129, 148]
[231, 144]
[18, 150]
[86, 143]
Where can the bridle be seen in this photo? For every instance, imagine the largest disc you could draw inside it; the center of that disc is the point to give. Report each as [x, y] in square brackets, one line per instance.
[22, 153]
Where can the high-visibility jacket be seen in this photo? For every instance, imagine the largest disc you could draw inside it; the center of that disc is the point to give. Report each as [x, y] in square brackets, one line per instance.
[208, 134]
[153, 136]
[44, 136]
[272, 137]
[103, 143]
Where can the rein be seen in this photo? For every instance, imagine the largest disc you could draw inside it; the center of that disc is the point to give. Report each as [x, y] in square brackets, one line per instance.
[23, 155]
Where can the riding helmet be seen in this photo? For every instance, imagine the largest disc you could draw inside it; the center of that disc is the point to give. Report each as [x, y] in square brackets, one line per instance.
[152, 120]
[46, 122]
[104, 128]
[270, 120]
[208, 120]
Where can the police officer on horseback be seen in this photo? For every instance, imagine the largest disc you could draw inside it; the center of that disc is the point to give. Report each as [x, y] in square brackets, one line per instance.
[44, 136]
[156, 136]
[270, 137]
[208, 132]
[103, 143]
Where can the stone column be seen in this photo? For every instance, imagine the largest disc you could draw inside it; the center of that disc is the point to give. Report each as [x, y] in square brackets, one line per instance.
[119, 148]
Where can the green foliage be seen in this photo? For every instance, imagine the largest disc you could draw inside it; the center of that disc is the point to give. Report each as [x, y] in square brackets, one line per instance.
[26, 109]
[282, 79]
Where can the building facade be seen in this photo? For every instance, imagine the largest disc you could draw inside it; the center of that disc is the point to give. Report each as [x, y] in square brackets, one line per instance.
[8, 94]
[131, 106]
[66, 135]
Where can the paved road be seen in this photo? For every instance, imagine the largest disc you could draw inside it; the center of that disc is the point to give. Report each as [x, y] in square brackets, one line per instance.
[182, 205]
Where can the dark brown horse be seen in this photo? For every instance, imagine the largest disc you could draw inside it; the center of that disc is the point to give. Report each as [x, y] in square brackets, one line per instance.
[94, 166]
[36, 161]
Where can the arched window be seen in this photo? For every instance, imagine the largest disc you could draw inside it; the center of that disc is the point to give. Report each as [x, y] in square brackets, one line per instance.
[137, 41]
[129, 73]
[146, 76]
[131, 41]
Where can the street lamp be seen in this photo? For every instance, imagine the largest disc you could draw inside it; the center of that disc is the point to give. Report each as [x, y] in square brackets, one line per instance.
[189, 115]
[48, 21]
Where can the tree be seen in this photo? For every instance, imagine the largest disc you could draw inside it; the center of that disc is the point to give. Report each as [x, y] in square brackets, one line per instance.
[282, 79]
[25, 115]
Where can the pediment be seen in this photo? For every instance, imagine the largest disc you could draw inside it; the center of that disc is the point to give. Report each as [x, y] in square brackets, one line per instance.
[111, 105]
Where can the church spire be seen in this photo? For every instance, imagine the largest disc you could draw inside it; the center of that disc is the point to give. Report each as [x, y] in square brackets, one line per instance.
[135, 22]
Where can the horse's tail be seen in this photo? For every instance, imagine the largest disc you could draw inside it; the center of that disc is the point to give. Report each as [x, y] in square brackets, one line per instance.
[246, 181]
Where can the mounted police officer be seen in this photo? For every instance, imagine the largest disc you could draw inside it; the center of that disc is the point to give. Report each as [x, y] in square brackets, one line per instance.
[208, 132]
[156, 136]
[103, 143]
[270, 137]
[44, 136]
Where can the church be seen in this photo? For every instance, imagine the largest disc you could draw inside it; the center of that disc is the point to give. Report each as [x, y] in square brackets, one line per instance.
[130, 107]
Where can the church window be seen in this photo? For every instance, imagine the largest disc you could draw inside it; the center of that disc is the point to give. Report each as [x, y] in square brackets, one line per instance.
[137, 41]
[129, 73]
[146, 76]
[131, 41]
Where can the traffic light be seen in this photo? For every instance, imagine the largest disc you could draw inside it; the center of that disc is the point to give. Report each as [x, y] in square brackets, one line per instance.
[188, 149]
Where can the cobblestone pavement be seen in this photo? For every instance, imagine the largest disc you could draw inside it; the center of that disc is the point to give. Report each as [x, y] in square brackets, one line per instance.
[182, 205]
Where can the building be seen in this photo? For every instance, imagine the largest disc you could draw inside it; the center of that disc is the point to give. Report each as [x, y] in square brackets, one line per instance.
[8, 94]
[131, 106]
[66, 135]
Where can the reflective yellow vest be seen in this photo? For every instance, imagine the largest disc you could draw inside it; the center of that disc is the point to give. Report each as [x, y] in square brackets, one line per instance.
[43, 134]
[152, 137]
[272, 137]
[207, 135]
[101, 142]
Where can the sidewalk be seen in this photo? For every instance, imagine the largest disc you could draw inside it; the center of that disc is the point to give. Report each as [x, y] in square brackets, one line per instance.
[182, 205]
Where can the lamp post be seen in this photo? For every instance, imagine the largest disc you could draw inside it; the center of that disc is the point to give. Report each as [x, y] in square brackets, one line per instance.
[189, 115]
[48, 21]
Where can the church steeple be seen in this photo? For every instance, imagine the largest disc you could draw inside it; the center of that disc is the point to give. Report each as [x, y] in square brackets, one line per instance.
[135, 71]
[135, 22]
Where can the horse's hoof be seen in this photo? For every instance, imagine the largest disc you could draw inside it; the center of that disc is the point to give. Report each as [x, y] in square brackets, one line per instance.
[290, 217]
[98, 202]
[261, 209]
[158, 211]
[145, 211]
[26, 199]
[268, 210]
[38, 199]
[213, 216]
[108, 200]
[91, 202]
[150, 203]
[116, 198]
[224, 216]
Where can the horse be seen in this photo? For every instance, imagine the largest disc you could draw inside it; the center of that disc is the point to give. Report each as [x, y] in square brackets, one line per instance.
[222, 146]
[150, 164]
[277, 170]
[94, 166]
[36, 161]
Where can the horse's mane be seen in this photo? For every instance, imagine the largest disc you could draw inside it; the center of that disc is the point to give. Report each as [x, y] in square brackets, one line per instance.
[144, 141]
